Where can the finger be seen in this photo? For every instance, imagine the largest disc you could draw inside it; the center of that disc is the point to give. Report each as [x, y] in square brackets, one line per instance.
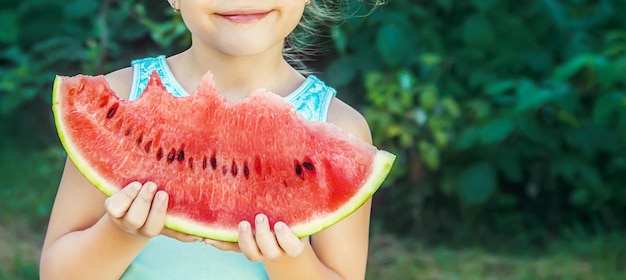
[223, 245]
[156, 217]
[179, 235]
[265, 238]
[138, 212]
[289, 242]
[247, 244]
[117, 205]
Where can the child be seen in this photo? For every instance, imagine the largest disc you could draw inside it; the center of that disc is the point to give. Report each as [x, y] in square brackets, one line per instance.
[242, 42]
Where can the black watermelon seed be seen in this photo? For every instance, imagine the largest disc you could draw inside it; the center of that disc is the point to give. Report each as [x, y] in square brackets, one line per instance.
[299, 170]
[171, 156]
[204, 163]
[112, 110]
[181, 156]
[246, 170]
[308, 166]
[213, 162]
[233, 169]
[159, 154]
[148, 146]
[140, 139]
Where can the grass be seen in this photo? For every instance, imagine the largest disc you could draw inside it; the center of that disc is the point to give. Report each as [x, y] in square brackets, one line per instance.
[601, 257]
[29, 180]
[20, 247]
[26, 202]
[390, 258]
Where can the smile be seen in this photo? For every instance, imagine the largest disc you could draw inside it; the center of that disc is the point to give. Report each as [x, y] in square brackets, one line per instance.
[244, 16]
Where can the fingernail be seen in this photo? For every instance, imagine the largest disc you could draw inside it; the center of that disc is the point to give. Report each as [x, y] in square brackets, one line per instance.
[151, 187]
[279, 226]
[135, 186]
[243, 226]
[260, 218]
[161, 196]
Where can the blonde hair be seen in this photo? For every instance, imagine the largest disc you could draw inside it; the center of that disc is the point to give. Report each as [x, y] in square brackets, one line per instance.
[319, 14]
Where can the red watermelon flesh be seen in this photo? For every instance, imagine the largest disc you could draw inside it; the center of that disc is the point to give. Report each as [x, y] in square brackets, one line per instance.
[221, 162]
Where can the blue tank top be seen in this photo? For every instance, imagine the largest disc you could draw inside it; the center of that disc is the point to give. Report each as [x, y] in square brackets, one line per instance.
[167, 258]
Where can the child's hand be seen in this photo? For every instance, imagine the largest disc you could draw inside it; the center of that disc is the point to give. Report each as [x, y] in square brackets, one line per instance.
[138, 210]
[180, 236]
[263, 244]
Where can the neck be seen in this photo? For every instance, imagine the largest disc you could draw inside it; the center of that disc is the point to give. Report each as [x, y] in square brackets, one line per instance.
[236, 76]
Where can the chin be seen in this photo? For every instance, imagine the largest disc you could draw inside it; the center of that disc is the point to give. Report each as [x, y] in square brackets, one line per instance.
[247, 48]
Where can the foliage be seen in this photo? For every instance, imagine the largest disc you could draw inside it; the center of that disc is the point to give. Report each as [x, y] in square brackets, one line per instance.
[579, 258]
[505, 115]
[94, 37]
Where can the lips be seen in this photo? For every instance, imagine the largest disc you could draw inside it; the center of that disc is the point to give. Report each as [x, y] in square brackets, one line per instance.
[244, 16]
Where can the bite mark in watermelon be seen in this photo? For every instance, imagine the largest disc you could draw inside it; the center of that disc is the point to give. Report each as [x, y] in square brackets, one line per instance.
[221, 162]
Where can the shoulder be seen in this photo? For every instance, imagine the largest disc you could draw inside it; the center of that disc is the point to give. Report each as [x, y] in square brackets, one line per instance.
[349, 119]
[121, 81]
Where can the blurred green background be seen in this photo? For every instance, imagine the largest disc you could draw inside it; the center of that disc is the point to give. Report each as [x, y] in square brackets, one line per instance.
[508, 119]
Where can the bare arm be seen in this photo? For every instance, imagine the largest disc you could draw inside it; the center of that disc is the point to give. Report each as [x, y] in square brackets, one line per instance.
[82, 242]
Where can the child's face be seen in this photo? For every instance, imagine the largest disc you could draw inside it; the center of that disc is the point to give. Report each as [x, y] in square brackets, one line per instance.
[241, 27]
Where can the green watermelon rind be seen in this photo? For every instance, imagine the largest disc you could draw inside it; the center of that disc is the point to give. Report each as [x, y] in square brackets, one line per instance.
[381, 166]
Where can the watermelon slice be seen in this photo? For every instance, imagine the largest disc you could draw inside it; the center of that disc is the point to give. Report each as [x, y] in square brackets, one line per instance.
[221, 162]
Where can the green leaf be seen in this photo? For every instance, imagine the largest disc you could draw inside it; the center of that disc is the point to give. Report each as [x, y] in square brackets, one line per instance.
[451, 106]
[469, 137]
[477, 183]
[605, 72]
[532, 98]
[572, 67]
[607, 105]
[442, 138]
[80, 9]
[480, 109]
[500, 87]
[391, 44]
[477, 32]
[429, 97]
[496, 131]
[10, 28]
[430, 155]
